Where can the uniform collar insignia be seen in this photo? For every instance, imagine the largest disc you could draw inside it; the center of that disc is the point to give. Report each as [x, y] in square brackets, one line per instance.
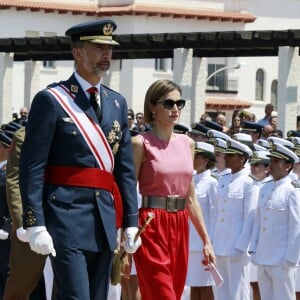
[105, 93]
[74, 88]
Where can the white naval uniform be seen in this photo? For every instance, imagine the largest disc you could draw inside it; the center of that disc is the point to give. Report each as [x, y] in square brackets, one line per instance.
[253, 267]
[206, 192]
[294, 176]
[237, 200]
[275, 241]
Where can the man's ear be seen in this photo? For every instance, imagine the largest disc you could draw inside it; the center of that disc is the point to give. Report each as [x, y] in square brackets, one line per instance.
[77, 54]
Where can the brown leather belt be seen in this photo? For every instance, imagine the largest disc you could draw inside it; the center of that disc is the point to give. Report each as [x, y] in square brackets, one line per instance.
[170, 203]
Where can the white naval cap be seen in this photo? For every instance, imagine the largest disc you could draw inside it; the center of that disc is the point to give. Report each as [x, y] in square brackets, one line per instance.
[236, 147]
[220, 145]
[213, 134]
[282, 152]
[264, 143]
[242, 137]
[258, 147]
[206, 149]
[276, 140]
[260, 157]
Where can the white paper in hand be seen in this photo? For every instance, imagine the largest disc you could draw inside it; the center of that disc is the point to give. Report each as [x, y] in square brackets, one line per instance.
[215, 275]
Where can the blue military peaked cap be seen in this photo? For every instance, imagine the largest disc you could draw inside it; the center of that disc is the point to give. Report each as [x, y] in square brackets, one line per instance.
[213, 125]
[180, 128]
[5, 140]
[292, 133]
[98, 32]
[198, 128]
[249, 127]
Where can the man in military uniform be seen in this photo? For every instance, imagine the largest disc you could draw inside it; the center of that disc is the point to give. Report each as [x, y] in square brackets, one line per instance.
[236, 204]
[275, 241]
[25, 279]
[75, 163]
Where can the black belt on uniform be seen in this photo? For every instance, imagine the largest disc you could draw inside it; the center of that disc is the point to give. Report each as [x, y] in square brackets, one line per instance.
[170, 203]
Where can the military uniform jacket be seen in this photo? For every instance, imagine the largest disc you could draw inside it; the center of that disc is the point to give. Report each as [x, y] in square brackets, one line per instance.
[276, 233]
[14, 200]
[75, 216]
[237, 200]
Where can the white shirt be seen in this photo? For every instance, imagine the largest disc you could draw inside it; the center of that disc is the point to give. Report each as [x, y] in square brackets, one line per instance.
[276, 232]
[237, 200]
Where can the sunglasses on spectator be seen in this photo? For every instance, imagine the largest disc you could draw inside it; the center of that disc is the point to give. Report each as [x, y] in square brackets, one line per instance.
[139, 117]
[169, 103]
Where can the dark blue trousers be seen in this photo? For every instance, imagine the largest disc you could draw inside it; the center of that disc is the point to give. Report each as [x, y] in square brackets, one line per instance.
[82, 275]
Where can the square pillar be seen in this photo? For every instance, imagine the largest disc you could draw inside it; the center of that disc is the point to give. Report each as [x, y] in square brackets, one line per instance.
[31, 81]
[288, 88]
[6, 87]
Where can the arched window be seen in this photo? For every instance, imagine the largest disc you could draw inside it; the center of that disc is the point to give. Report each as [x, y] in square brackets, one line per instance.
[274, 94]
[259, 86]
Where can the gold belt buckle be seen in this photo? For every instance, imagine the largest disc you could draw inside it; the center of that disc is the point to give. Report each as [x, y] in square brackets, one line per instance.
[172, 203]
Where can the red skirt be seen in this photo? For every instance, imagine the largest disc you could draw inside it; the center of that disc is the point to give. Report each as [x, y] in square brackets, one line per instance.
[162, 260]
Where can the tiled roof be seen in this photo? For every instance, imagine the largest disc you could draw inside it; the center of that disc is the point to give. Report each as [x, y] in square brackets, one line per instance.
[226, 103]
[134, 9]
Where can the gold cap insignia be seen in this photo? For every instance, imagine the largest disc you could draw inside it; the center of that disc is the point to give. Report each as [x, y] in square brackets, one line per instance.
[108, 29]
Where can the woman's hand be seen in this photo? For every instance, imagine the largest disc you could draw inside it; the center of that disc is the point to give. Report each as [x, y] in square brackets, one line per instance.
[209, 255]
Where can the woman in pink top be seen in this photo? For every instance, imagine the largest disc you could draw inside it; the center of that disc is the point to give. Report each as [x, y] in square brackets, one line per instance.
[164, 169]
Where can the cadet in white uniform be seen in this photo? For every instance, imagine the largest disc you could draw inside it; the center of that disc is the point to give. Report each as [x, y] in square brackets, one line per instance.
[237, 200]
[275, 239]
[295, 175]
[259, 166]
[219, 140]
[198, 279]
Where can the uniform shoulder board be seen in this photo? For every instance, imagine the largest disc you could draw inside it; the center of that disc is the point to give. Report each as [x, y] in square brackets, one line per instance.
[53, 84]
[296, 184]
[252, 177]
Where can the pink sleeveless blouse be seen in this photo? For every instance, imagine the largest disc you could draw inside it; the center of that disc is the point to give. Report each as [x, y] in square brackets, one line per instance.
[168, 168]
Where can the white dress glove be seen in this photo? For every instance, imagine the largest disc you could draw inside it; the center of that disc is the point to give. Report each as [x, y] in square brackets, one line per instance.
[3, 234]
[40, 240]
[22, 235]
[130, 245]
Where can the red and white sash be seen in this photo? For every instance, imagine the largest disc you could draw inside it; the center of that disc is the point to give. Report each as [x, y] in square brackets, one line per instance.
[90, 130]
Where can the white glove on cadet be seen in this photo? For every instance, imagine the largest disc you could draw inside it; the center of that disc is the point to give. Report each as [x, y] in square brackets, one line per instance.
[3, 234]
[22, 235]
[130, 245]
[40, 240]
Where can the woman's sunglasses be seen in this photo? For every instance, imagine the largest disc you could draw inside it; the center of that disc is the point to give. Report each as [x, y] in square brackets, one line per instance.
[169, 103]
